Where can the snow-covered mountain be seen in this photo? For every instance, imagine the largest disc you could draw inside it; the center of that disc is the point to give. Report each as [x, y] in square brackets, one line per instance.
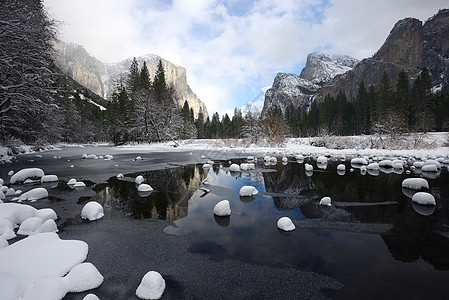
[99, 77]
[299, 90]
[321, 67]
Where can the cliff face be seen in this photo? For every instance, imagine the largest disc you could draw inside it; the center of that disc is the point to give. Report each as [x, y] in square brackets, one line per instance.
[288, 89]
[76, 62]
[410, 46]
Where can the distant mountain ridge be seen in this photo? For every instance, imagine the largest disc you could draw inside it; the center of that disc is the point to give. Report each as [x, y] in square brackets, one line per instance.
[100, 77]
[410, 46]
[291, 89]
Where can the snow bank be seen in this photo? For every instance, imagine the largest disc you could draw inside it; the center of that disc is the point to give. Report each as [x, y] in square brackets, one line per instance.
[285, 224]
[325, 201]
[34, 194]
[424, 198]
[152, 286]
[248, 191]
[222, 209]
[92, 211]
[24, 174]
[415, 184]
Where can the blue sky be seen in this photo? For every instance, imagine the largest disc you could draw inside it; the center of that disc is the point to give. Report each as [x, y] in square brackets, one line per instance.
[233, 49]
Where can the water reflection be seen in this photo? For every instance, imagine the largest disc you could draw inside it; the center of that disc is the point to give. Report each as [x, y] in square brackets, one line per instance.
[376, 204]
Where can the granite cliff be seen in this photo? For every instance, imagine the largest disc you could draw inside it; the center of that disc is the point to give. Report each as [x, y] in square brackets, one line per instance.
[100, 77]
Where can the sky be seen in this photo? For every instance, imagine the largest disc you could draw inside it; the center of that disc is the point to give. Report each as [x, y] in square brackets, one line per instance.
[233, 49]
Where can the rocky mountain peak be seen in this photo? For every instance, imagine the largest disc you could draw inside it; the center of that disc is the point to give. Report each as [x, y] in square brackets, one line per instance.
[321, 67]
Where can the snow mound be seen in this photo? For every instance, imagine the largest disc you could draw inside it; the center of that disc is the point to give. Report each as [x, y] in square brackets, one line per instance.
[284, 159]
[418, 164]
[308, 167]
[386, 163]
[71, 181]
[326, 201]
[433, 162]
[6, 229]
[49, 178]
[250, 158]
[415, 184]
[24, 174]
[285, 224]
[90, 156]
[359, 161]
[2, 195]
[83, 277]
[3, 243]
[152, 286]
[10, 173]
[120, 175]
[34, 194]
[207, 166]
[222, 209]
[92, 211]
[79, 184]
[10, 192]
[234, 168]
[247, 166]
[248, 191]
[321, 159]
[47, 226]
[91, 297]
[30, 225]
[424, 198]
[139, 179]
[373, 166]
[341, 167]
[144, 188]
[429, 168]
[44, 258]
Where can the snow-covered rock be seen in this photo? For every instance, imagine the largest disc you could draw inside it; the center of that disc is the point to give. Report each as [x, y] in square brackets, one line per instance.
[7, 229]
[250, 158]
[248, 191]
[341, 167]
[10, 173]
[284, 159]
[34, 194]
[207, 166]
[234, 168]
[144, 188]
[24, 174]
[30, 225]
[92, 211]
[152, 286]
[222, 208]
[139, 179]
[415, 184]
[47, 226]
[10, 192]
[120, 175]
[429, 168]
[325, 201]
[79, 184]
[49, 178]
[3, 242]
[386, 163]
[359, 161]
[321, 159]
[373, 166]
[72, 181]
[433, 162]
[2, 195]
[424, 198]
[91, 297]
[308, 167]
[285, 224]
[418, 164]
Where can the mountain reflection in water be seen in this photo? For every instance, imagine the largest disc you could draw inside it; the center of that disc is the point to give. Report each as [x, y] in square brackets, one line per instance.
[372, 226]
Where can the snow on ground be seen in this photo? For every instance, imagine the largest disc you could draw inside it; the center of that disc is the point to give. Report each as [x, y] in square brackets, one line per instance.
[33, 268]
[433, 144]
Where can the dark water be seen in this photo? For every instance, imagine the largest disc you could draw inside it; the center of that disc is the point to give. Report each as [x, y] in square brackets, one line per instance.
[373, 239]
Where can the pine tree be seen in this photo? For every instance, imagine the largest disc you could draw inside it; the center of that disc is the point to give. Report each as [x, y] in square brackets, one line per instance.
[385, 96]
[159, 83]
[144, 77]
[402, 96]
[362, 110]
[133, 77]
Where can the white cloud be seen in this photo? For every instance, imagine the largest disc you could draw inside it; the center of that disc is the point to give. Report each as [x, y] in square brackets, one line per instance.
[227, 44]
